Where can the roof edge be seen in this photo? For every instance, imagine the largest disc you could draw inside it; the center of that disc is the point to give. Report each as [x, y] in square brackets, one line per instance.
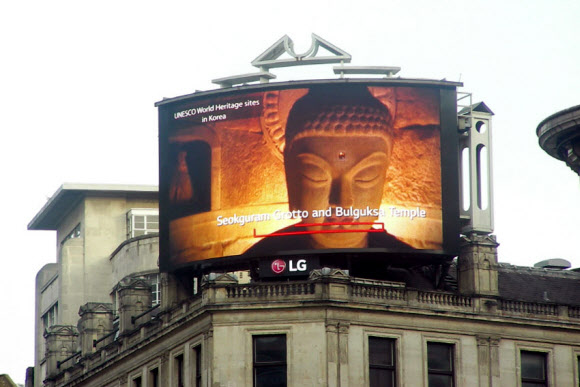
[67, 195]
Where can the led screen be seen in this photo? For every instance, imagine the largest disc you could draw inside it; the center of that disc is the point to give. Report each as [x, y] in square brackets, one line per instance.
[307, 167]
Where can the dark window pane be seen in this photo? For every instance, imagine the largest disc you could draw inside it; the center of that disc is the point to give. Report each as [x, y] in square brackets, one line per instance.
[273, 376]
[270, 361]
[197, 353]
[440, 381]
[440, 364]
[154, 377]
[440, 357]
[533, 365]
[381, 378]
[381, 351]
[269, 348]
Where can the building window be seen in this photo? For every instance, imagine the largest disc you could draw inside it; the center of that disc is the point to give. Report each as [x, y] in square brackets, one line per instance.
[136, 382]
[154, 377]
[440, 364]
[142, 222]
[382, 371]
[75, 233]
[155, 289]
[50, 318]
[178, 371]
[534, 369]
[269, 360]
[197, 365]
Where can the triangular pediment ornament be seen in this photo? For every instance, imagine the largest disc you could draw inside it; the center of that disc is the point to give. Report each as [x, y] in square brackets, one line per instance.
[95, 307]
[271, 57]
[66, 330]
[326, 272]
[220, 278]
[133, 283]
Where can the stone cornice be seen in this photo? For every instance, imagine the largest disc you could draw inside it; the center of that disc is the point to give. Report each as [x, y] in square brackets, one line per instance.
[559, 136]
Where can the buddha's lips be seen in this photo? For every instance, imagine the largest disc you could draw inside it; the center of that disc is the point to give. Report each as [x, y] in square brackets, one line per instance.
[338, 220]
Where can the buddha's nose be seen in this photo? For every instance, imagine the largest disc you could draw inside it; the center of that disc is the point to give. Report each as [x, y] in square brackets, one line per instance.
[341, 193]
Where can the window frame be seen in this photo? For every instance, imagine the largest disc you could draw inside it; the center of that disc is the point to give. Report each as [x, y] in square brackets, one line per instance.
[452, 346]
[155, 282]
[145, 212]
[196, 360]
[540, 382]
[547, 349]
[393, 341]
[75, 233]
[137, 381]
[153, 375]
[178, 374]
[50, 316]
[136, 378]
[264, 365]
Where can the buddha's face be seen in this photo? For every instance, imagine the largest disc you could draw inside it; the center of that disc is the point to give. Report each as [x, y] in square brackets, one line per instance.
[337, 171]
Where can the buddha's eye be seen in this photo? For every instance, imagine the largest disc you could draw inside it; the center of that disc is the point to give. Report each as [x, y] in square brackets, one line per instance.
[314, 173]
[313, 169]
[368, 176]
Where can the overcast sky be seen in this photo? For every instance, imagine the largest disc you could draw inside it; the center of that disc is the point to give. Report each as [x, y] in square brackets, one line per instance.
[78, 81]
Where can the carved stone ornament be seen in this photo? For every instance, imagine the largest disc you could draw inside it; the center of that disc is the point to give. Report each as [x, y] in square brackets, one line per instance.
[473, 238]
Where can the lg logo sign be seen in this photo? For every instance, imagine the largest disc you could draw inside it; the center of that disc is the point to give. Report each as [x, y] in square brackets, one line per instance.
[279, 265]
[289, 266]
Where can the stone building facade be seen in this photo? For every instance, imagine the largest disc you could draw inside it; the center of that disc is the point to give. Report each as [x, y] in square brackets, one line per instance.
[481, 324]
[104, 233]
[103, 321]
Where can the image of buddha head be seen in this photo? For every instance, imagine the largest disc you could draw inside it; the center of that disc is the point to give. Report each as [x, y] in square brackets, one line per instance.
[338, 146]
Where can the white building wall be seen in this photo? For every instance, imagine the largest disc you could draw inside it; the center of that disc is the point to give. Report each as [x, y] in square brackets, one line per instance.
[72, 281]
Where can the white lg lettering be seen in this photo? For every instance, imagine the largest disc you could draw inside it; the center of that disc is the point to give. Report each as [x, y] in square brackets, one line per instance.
[300, 265]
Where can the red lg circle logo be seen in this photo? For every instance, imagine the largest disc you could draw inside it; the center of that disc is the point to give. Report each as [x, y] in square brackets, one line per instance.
[278, 266]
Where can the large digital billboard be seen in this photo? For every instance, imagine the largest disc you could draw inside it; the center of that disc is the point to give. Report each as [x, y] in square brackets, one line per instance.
[308, 168]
